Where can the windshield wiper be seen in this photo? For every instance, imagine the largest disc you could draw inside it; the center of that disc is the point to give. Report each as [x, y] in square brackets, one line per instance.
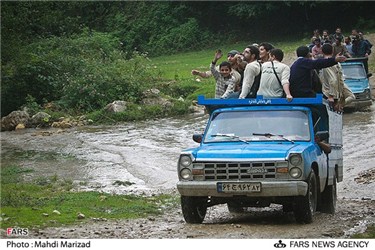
[231, 136]
[354, 78]
[270, 135]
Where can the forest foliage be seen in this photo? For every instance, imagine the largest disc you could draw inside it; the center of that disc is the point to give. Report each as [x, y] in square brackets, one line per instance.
[81, 55]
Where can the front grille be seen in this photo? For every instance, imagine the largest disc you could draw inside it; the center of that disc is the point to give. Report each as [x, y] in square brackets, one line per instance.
[362, 96]
[239, 171]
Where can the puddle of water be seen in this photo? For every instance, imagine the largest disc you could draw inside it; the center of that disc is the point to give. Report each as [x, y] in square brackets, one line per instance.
[359, 153]
[142, 153]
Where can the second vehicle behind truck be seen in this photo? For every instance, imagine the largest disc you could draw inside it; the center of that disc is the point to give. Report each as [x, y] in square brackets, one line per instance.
[358, 82]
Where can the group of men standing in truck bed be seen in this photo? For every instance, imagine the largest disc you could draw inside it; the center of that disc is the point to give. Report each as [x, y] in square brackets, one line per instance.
[259, 70]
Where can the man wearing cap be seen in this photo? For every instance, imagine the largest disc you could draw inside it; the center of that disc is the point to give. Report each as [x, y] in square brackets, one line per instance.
[238, 64]
[251, 74]
[237, 61]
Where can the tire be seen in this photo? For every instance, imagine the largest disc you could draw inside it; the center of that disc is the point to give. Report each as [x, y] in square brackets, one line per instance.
[234, 208]
[305, 207]
[194, 209]
[329, 198]
[287, 208]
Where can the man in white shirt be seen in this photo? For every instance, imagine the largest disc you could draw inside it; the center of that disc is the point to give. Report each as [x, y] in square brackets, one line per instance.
[275, 77]
[252, 70]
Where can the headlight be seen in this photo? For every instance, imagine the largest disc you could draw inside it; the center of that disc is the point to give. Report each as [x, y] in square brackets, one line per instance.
[185, 161]
[185, 173]
[295, 160]
[295, 172]
[368, 93]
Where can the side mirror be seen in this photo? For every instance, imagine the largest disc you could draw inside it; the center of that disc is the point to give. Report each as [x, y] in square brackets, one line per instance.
[197, 138]
[322, 135]
[369, 75]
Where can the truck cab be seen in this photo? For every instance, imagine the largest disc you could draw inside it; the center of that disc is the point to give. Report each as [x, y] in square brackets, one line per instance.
[255, 152]
[357, 79]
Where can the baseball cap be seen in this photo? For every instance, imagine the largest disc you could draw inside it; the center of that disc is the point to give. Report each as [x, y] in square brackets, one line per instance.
[233, 52]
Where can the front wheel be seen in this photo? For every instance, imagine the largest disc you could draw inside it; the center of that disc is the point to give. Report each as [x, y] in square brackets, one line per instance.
[329, 198]
[305, 207]
[194, 209]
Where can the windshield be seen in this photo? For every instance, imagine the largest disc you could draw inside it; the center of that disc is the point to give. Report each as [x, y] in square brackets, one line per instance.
[259, 125]
[354, 71]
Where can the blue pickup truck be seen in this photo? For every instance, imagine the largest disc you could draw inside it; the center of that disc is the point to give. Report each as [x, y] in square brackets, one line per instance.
[357, 79]
[255, 152]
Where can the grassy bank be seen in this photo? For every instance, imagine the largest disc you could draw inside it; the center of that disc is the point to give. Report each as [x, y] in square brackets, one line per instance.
[49, 201]
[368, 234]
[43, 202]
[180, 65]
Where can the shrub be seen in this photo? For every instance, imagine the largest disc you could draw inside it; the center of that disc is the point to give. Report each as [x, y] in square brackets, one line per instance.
[136, 112]
[181, 88]
[84, 72]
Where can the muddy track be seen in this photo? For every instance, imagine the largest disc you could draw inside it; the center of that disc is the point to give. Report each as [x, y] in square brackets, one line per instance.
[267, 223]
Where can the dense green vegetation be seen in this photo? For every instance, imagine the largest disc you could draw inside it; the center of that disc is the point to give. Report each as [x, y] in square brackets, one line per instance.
[82, 55]
[50, 201]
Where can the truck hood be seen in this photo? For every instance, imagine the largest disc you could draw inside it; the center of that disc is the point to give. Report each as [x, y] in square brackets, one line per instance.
[246, 151]
[357, 85]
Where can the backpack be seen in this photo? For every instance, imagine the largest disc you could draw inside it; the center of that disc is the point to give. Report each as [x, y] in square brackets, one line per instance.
[255, 87]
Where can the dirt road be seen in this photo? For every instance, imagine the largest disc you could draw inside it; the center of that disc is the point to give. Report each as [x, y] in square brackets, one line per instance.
[352, 217]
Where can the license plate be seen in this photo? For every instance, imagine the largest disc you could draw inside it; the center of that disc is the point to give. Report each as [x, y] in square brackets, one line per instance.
[224, 187]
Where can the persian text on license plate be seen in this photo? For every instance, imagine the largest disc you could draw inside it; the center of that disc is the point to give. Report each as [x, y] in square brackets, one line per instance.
[223, 187]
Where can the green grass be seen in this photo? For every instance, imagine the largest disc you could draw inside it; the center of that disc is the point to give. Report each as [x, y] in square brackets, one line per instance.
[368, 234]
[179, 66]
[32, 204]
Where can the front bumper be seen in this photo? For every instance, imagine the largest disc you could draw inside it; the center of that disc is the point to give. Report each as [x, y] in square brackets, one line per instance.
[358, 104]
[269, 189]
